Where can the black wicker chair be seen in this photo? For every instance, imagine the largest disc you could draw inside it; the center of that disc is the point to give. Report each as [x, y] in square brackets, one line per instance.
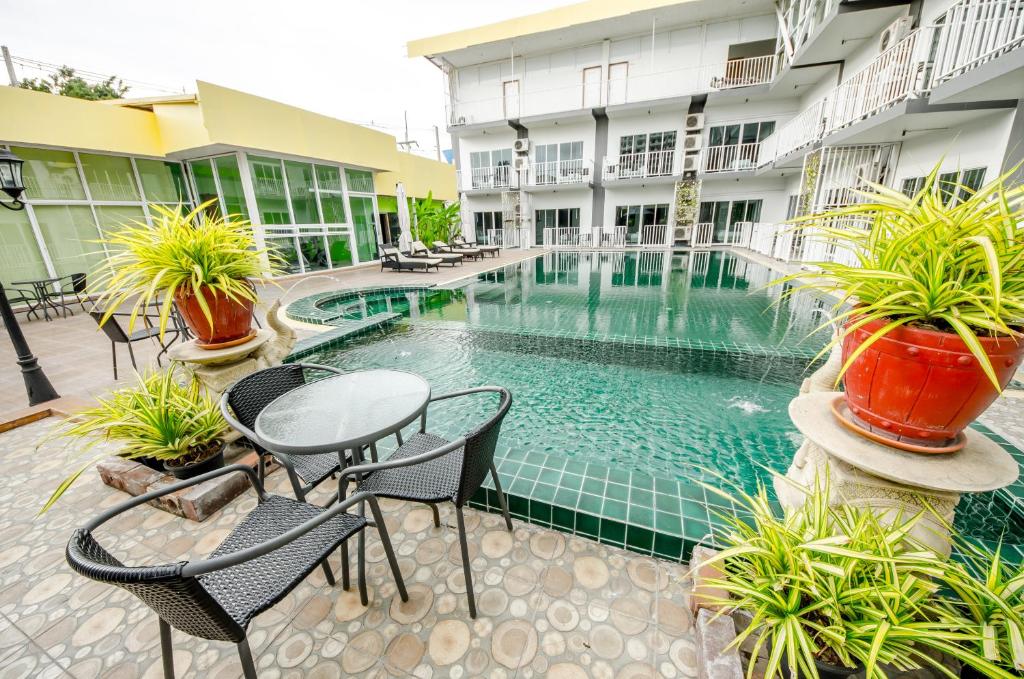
[430, 469]
[271, 551]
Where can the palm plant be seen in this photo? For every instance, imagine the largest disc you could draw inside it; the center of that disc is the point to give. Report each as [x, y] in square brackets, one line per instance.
[436, 220]
[160, 418]
[182, 252]
[947, 258]
[835, 585]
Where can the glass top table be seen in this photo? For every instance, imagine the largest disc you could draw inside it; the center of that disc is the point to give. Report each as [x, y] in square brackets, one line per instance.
[342, 412]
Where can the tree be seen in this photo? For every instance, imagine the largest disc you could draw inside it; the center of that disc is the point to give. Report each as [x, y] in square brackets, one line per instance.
[435, 220]
[65, 83]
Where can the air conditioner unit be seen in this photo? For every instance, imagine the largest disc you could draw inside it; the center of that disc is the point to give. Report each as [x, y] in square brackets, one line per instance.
[691, 163]
[895, 32]
[694, 121]
[692, 142]
[520, 162]
[521, 145]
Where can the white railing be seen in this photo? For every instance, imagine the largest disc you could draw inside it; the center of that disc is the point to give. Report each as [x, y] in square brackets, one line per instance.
[762, 237]
[892, 76]
[505, 238]
[268, 186]
[801, 131]
[565, 237]
[975, 31]
[641, 165]
[745, 72]
[654, 235]
[739, 234]
[803, 16]
[703, 234]
[783, 246]
[497, 177]
[732, 158]
[575, 171]
[586, 237]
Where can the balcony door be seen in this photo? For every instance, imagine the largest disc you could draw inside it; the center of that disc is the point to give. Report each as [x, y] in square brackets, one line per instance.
[510, 98]
[618, 76]
[724, 214]
[558, 163]
[592, 87]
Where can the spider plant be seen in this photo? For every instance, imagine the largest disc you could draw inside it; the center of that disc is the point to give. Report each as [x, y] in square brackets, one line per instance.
[183, 251]
[835, 585]
[947, 258]
[990, 594]
[161, 418]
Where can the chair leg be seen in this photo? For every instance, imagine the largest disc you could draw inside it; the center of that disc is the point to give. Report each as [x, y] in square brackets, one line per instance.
[166, 651]
[131, 353]
[385, 540]
[245, 655]
[501, 497]
[437, 517]
[465, 561]
[361, 561]
[113, 352]
[346, 581]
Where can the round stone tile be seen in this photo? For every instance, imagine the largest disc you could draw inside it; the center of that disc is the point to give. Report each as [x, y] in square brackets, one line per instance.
[405, 652]
[421, 598]
[564, 670]
[97, 626]
[563, 616]
[294, 649]
[496, 543]
[629, 616]
[448, 641]
[556, 581]
[514, 643]
[590, 572]
[606, 641]
[492, 602]
[417, 520]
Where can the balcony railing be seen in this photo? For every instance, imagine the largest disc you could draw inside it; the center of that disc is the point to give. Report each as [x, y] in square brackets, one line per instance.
[507, 238]
[654, 235]
[745, 72]
[703, 234]
[975, 31]
[497, 177]
[554, 172]
[732, 158]
[641, 165]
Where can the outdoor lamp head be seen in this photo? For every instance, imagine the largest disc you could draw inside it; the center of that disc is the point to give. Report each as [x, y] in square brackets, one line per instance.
[11, 181]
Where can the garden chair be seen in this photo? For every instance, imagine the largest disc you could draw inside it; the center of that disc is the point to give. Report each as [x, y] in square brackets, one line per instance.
[431, 469]
[263, 558]
[118, 335]
[391, 257]
[492, 250]
[418, 249]
[73, 285]
[467, 252]
[24, 297]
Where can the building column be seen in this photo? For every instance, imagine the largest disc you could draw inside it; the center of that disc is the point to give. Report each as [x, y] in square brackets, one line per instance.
[249, 191]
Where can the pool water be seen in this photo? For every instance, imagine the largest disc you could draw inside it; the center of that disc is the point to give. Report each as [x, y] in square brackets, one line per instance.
[633, 375]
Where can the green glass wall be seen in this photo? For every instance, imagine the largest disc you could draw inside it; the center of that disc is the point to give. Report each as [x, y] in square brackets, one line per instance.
[163, 182]
[359, 181]
[231, 186]
[302, 191]
[50, 175]
[20, 259]
[268, 183]
[109, 177]
[365, 227]
[202, 177]
[70, 235]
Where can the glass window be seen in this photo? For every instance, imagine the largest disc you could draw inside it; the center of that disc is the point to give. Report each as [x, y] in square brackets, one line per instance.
[303, 195]
[111, 217]
[911, 185]
[328, 178]
[285, 250]
[268, 184]
[340, 249]
[947, 185]
[50, 175]
[971, 181]
[162, 182]
[359, 181]
[333, 205]
[109, 177]
[70, 235]
[314, 252]
[365, 227]
[20, 259]
[231, 186]
[202, 177]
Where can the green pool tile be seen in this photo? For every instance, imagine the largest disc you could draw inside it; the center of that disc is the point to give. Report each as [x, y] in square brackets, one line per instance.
[639, 539]
[666, 486]
[550, 476]
[576, 467]
[521, 487]
[529, 471]
[613, 532]
[639, 496]
[690, 491]
[667, 503]
[668, 547]
[594, 486]
[590, 504]
[536, 458]
[696, 530]
[563, 518]
[618, 476]
[641, 515]
[614, 509]
[540, 512]
[671, 524]
[588, 525]
[694, 510]
[572, 481]
[543, 492]
[566, 497]
[519, 506]
[617, 491]
[642, 481]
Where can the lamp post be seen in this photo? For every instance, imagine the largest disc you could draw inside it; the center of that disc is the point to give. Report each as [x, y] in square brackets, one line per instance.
[36, 383]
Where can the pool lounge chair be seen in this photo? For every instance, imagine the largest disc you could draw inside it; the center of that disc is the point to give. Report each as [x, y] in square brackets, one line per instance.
[418, 250]
[492, 250]
[471, 253]
[391, 257]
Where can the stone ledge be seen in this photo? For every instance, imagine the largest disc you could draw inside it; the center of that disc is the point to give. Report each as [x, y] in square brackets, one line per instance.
[716, 657]
[701, 571]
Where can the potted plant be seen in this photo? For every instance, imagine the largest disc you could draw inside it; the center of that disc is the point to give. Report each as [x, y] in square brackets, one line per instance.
[161, 418]
[200, 261]
[833, 591]
[932, 332]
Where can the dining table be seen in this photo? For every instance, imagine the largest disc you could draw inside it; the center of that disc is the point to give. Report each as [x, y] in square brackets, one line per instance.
[43, 289]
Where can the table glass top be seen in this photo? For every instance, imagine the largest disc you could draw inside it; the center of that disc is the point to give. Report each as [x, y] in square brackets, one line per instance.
[342, 411]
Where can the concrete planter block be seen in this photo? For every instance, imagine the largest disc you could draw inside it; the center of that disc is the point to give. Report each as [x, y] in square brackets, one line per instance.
[715, 659]
[702, 595]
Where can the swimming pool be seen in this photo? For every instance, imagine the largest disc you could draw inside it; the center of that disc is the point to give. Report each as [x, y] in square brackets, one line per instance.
[632, 373]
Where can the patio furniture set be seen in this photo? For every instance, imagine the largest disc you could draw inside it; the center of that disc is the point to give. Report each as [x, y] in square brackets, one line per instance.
[421, 258]
[317, 423]
[48, 294]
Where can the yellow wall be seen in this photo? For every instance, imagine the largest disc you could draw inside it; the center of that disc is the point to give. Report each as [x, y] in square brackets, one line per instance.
[181, 127]
[420, 175]
[28, 117]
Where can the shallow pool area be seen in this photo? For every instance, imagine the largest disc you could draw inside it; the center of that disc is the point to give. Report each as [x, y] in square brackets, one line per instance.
[634, 374]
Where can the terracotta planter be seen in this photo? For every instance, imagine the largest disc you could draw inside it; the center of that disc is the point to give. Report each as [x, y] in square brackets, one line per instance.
[922, 385]
[232, 320]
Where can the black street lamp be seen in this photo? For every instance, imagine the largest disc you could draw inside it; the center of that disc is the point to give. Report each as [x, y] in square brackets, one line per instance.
[36, 383]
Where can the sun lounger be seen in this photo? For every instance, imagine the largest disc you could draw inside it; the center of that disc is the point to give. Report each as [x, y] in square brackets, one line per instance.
[391, 257]
[486, 249]
[471, 253]
[418, 250]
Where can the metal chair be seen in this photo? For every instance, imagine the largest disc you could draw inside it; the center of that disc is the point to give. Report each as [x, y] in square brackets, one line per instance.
[264, 558]
[117, 335]
[25, 297]
[430, 469]
[72, 285]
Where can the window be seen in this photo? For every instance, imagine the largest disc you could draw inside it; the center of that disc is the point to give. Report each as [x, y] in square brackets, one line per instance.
[556, 218]
[911, 185]
[646, 155]
[485, 221]
[740, 133]
[163, 182]
[554, 163]
[724, 214]
[963, 183]
[230, 179]
[365, 227]
[20, 259]
[332, 200]
[50, 175]
[70, 234]
[268, 185]
[109, 177]
[302, 192]
[490, 169]
[359, 181]
[633, 217]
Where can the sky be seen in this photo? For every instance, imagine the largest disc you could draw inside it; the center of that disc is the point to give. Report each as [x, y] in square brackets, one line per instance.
[344, 59]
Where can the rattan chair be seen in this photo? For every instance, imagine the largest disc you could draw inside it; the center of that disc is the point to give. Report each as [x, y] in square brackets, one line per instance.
[430, 469]
[264, 558]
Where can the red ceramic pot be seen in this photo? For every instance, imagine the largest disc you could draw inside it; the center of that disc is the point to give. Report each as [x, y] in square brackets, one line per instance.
[232, 319]
[923, 384]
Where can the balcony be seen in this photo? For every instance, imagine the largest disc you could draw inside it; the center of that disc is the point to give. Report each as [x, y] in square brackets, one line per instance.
[635, 166]
[732, 158]
[575, 172]
[745, 73]
[486, 178]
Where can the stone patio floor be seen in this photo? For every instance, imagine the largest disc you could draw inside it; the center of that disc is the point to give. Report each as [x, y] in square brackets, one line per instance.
[550, 604]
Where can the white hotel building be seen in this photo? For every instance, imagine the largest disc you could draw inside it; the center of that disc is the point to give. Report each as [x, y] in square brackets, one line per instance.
[660, 123]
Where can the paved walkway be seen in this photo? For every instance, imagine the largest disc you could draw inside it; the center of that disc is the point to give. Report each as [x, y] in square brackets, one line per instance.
[75, 354]
[550, 605]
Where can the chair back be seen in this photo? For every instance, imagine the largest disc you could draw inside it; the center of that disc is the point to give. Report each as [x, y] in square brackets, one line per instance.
[78, 283]
[251, 394]
[112, 329]
[179, 600]
[417, 246]
[459, 240]
[440, 245]
[478, 454]
[389, 253]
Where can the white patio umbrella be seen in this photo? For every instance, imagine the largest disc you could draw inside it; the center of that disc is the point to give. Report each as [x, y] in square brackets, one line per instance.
[404, 221]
